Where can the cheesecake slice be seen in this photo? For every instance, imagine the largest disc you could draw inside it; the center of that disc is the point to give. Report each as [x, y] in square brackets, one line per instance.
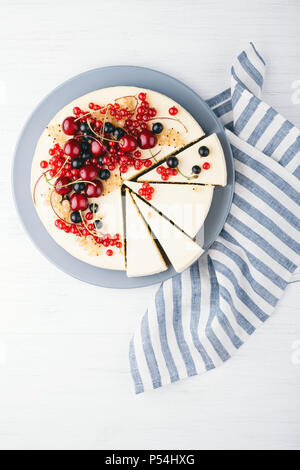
[181, 250]
[201, 163]
[186, 205]
[143, 257]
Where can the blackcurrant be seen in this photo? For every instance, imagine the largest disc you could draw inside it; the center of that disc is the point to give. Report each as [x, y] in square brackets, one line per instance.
[85, 156]
[75, 217]
[157, 128]
[196, 169]
[85, 146]
[108, 128]
[77, 163]
[172, 162]
[118, 133]
[94, 208]
[78, 187]
[84, 127]
[104, 174]
[203, 151]
[98, 224]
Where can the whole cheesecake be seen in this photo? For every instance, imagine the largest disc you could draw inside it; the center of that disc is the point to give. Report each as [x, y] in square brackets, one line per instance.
[113, 142]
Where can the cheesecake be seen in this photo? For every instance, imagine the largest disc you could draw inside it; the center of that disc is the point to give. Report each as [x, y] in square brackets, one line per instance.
[185, 205]
[143, 257]
[116, 141]
[180, 249]
[201, 163]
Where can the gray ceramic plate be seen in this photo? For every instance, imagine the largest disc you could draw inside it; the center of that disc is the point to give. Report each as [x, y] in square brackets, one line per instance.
[65, 93]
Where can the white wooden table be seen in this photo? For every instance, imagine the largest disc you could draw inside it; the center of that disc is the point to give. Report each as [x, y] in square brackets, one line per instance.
[64, 379]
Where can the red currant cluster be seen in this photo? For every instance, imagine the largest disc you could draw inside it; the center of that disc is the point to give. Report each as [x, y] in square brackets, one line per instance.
[80, 230]
[146, 191]
[166, 172]
[59, 164]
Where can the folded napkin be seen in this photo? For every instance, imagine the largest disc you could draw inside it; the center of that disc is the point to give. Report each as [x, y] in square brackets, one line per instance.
[200, 318]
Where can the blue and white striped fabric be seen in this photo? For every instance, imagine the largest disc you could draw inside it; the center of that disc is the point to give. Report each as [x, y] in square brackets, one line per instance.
[201, 317]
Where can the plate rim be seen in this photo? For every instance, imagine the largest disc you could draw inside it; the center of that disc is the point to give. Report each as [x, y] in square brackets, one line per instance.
[149, 280]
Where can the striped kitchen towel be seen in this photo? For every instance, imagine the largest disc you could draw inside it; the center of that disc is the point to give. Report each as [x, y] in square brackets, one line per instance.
[200, 318]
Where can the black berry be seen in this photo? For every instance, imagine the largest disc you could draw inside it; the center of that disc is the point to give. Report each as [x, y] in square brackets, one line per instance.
[108, 128]
[172, 162]
[84, 127]
[104, 174]
[85, 146]
[98, 224]
[79, 187]
[118, 133]
[196, 169]
[85, 156]
[157, 128]
[75, 217]
[203, 151]
[94, 207]
[77, 163]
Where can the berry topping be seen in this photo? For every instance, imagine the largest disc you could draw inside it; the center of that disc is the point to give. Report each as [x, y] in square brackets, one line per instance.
[173, 111]
[146, 191]
[203, 151]
[77, 163]
[206, 166]
[109, 252]
[142, 96]
[118, 133]
[88, 172]
[75, 217]
[94, 207]
[108, 128]
[157, 128]
[98, 224]
[78, 202]
[97, 148]
[79, 187]
[196, 169]
[43, 164]
[72, 148]
[84, 128]
[104, 174]
[147, 140]
[172, 162]
[94, 189]
[62, 185]
[128, 143]
[70, 126]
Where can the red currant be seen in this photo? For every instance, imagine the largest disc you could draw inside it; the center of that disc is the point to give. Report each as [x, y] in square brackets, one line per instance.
[173, 111]
[43, 164]
[206, 166]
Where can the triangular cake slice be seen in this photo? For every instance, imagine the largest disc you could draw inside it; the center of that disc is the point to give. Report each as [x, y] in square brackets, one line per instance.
[181, 250]
[185, 205]
[143, 257]
[212, 167]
